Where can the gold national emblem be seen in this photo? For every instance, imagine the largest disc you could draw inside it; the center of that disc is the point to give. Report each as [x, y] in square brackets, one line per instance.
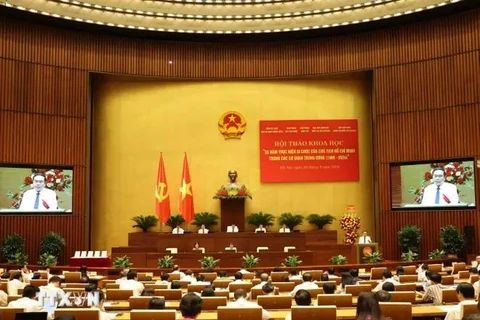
[232, 125]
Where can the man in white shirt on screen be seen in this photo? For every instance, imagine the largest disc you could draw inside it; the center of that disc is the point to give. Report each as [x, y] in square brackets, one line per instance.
[260, 229]
[364, 238]
[39, 198]
[203, 230]
[440, 193]
[233, 228]
[284, 229]
[178, 230]
[132, 284]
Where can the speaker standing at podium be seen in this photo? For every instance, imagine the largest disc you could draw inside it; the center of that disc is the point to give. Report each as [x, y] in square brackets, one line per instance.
[364, 238]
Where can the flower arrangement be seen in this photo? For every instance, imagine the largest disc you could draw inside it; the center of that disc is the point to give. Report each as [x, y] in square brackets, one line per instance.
[455, 173]
[232, 192]
[350, 223]
[55, 179]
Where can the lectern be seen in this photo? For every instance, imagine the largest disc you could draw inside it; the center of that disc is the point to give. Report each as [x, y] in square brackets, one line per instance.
[232, 211]
[364, 249]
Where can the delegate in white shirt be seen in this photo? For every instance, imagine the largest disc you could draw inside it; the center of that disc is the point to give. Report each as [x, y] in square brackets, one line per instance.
[232, 229]
[455, 312]
[448, 192]
[305, 285]
[134, 285]
[284, 230]
[178, 231]
[13, 286]
[364, 239]
[260, 230]
[47, 198]
[202, 231]
[379, 286]
[28, 305]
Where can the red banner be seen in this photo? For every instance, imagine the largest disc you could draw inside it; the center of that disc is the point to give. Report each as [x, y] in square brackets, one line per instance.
[308, 150]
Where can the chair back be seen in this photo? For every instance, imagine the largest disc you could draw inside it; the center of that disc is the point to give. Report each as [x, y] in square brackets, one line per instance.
[79, 314]
[4, 286]
[112, 285]
[449, 296]
[256, 281]
[156, 286]
[76, 285]
[118, 294]
[141, 276]
[139, 302]
[74, 290]
[275, 302]
[248, 276]
[38, 282]
[376, 273]
[406, 287]
[153, 315]
[314, 292]
[72, 276]
[173, 277]
[8, 313]
[447, 280]
[296, 281]
[435, 267]
[356, 289]
[474, 278]
[316, 274]
[314, 312]
[277, 276]
[466, 309]
[169, 294]
[241, 313]
[410, 270]
[463, 274]
[372, 283]
[402, 296]
[12, 298]
[183, 284]
[411, 278]
[396, 310]
[338, 300]
[284, 286]
[221, 283]
[255, 292]
[222, 293]
[209, 276]
[234, 286]
[196, 287]
[212, 303]
[458, 266]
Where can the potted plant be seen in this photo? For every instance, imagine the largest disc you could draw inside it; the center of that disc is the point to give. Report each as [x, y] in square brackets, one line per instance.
[338, 259]
[52, 244]
[206, 218]
[166, 262]
[47, 260]
[145, 222]
[409, 238]
[208, 262]
[320, 220]
[292, 261]
[452, 240]
[12, 245]
[373, 257]
[259, 218]
[409, 256]
[291, 220]
[19, 259]
[122, 262]
[249, 261]
[175, 221]
[437, 254]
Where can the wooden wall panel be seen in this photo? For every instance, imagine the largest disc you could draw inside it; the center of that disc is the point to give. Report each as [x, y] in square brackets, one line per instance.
[426, 100]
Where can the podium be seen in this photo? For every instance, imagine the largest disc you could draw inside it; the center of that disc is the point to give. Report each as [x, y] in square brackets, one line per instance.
[363, 249]
[232, 211]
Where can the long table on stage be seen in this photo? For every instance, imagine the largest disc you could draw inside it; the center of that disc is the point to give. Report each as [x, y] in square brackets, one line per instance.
[216, 242]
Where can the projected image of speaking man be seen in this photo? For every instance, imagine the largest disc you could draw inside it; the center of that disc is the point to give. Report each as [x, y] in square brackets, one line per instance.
[39, 198]
[440, 193]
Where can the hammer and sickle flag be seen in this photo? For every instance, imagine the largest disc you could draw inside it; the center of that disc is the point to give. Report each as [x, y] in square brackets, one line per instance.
[162, 199]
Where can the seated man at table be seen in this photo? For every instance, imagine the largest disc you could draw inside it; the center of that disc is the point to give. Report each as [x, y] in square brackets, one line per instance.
[164, 280]
[132, 284]
[124, 276]
[54, 287]
[176, 269]
[260, 229]
[307, 284]
[284, 229]
[240, 297]
[329, 288]
[383, 296]
[263, 281]
[156, 303]
[190, 306]
[203, 230]
[434, 291]
[293, 275]
[29, 301]
[232, 229]
[15, 284]
[189, 276]
[101, 298]
[302, 298]
[178, 230]
[466, 295]
[387, 277]
[268, 289]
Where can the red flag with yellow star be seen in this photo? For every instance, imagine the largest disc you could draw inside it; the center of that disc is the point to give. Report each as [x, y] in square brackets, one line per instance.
[162, 199]
[186, 193]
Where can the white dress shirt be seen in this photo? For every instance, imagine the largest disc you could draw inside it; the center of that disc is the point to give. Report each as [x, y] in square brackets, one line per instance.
[51, 288]
[284, 230]
[232, 229]
[455, 312]
[241, 302]
[364, 239]
[118, 281]
[260, 230]
[190, 279]
[163, 282]
[178, 231]
[134, 285]
[202, 231]
[47, 198]
[260, 285]
[13, 286]
[379, 286]
[305, 285]
[3, 298]
[448, 192]
[28, 305]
